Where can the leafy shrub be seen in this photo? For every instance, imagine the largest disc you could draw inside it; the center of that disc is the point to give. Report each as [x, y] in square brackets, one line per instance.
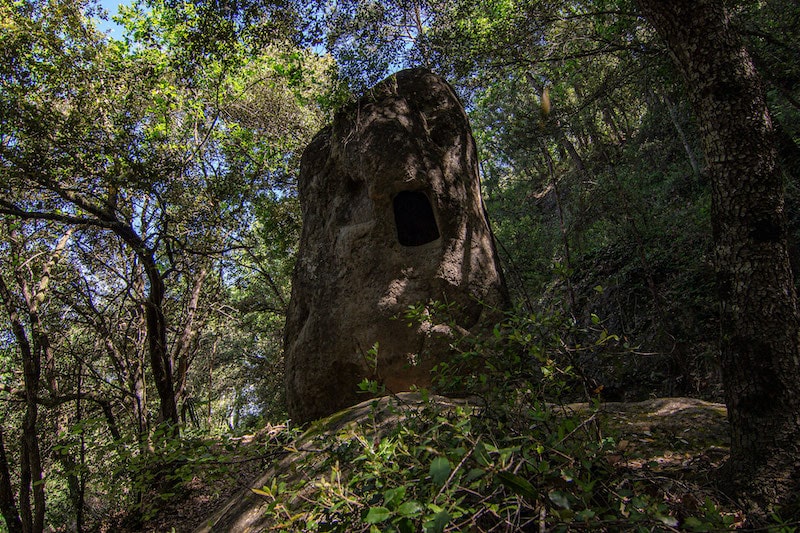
[511, 459]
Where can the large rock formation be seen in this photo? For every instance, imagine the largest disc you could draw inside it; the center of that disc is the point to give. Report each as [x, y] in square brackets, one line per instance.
[392, 217]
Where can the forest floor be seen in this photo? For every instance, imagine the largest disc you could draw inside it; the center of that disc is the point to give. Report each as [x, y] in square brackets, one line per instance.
[239, 463]
[673, 446]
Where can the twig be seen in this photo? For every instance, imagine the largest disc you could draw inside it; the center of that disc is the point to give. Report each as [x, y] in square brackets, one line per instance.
[582, 424]
[456, 469]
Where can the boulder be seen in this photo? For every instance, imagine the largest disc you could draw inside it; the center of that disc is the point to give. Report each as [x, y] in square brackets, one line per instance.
[392, 217]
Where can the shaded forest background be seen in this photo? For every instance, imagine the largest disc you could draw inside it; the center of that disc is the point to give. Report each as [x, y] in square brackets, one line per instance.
[150, 215]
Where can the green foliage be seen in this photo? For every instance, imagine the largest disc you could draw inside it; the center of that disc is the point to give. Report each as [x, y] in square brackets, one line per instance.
[506, 462]
[526, 356]
[159, 475]
[169, 158]
[455, 470]
[188, 132]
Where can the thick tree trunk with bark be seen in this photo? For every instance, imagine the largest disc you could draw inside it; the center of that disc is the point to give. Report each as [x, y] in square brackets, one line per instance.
[160, 360]
[760, 354]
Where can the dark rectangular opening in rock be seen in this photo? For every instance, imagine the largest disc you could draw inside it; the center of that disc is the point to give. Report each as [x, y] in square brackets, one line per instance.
[414, 218]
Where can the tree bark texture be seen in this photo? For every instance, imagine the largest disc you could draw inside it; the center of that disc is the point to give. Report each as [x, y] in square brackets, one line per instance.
[8, 506]
[31, 475]
[160, 359]
[759, 348]
[185, 346]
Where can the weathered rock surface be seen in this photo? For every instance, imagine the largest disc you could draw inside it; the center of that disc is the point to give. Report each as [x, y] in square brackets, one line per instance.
[392, 217]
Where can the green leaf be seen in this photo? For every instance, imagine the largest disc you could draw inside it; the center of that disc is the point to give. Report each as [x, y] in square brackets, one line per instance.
[406, 525]
[481, 455]
[392, 496]
[559, 498]
[440, 470]
[437, 523]
[671, 521]
[473, 474]
[518, 485]
[409, 509]
[695, 524]
[377, 515]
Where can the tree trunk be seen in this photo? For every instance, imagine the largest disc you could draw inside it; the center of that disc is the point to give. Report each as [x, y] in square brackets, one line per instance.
[8, 507]
[186, 345]
[160, 360]
[759, 350]
[79, 496]
[31, 475]
[155, 320]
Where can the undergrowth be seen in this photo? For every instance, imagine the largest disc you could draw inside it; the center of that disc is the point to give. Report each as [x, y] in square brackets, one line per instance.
[508, 457]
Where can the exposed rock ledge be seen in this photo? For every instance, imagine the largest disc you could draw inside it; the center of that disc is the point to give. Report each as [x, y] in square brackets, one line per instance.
[671, 432]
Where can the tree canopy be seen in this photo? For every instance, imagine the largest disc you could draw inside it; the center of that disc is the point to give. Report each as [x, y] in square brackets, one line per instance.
[640, 172]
